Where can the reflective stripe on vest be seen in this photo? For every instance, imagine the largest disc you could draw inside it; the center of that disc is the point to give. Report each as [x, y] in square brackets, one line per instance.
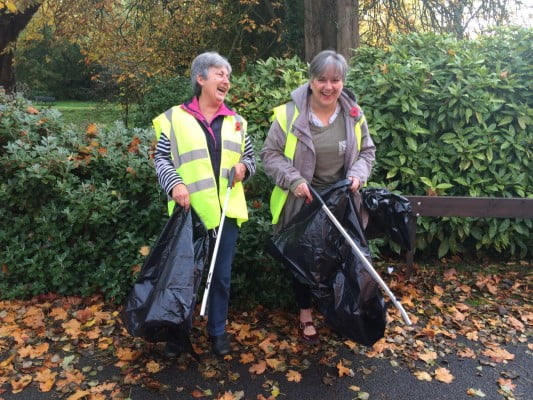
[286, 115]
[193, 164]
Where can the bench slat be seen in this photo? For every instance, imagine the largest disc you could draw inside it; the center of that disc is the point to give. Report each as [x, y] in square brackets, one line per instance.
[482, 207]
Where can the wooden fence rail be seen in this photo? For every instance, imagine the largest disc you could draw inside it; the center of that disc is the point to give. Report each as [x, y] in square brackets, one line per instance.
[477, 207]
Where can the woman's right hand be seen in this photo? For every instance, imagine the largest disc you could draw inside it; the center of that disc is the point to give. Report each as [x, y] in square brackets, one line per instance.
[302, 190]
[180, 195]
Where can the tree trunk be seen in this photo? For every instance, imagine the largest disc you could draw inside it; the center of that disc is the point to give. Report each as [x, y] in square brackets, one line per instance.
[331, 25]
[10, 27]
[347, 27]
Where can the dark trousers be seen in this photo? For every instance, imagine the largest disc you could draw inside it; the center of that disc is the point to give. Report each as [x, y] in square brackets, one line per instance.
[302, 294]
[220, 281]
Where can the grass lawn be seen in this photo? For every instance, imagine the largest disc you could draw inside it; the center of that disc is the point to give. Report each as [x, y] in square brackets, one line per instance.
[82, 113]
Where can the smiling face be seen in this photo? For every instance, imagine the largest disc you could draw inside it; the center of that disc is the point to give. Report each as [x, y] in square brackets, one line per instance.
[216, 86]
[326, 88]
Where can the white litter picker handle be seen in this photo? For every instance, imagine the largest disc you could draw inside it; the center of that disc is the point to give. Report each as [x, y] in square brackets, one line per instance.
[362, 257]
[217, 243]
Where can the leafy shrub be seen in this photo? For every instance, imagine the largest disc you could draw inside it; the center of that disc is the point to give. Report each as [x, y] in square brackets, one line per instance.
[79, 204]
[159, 95]
[453, 118]
[265, 85]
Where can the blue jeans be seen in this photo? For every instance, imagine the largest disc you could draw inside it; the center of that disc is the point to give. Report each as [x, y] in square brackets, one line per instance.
[220, 281]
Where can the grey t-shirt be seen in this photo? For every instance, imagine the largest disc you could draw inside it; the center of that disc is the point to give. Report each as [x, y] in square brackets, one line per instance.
[330, 147]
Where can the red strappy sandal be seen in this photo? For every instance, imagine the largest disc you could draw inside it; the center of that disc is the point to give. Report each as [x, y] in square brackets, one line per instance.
[313, 339]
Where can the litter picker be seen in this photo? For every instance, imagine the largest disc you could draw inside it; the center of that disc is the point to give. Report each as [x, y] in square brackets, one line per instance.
[361, 256]
[217, 242]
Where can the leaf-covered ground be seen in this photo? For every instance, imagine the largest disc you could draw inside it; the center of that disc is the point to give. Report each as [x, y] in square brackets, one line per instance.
[471, 338]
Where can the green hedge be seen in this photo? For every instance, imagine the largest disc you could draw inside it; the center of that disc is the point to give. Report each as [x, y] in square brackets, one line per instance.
[448, 117]
[76, 207]
[454, 118]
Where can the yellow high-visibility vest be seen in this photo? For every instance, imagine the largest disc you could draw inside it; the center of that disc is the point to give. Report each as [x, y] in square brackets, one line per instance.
[190, 155]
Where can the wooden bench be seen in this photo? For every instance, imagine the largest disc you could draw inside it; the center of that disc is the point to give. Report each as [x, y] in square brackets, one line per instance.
[477, 207]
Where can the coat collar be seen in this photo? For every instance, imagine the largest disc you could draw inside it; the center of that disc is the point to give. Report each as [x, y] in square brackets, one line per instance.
[193, 107]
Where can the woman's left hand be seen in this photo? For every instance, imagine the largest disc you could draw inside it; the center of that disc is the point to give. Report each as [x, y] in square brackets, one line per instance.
[356, 183]
[240, 172]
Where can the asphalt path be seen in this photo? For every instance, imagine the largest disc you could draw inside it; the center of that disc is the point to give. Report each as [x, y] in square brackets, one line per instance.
[374, 378]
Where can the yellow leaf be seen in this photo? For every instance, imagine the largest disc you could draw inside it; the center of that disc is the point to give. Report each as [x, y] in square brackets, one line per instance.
[125, 354]
[92, 129]
[247, 358]
[506, 384]
[466, 353]
[7, 361]
[197, 393]
[144, 251]
[475, 392]
[18, 386]
[39, 350]
[519, 326]
[498, 354]
[423, 376]
[293, 376]
[32, 110]
[267, 346]
[344, 370]
[72, 328]
[274, 363]
[438, 290]
[153, 367]
[351, 344]
[58, 313]
[11, 7]
[443, 375]
[227, 396]
[258, 368]
[46, 379]
[80, 394]
[428, 356]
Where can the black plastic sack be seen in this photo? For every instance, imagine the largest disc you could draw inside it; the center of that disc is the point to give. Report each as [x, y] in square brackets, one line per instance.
[389, 214]
[320, 257]
[161, 303]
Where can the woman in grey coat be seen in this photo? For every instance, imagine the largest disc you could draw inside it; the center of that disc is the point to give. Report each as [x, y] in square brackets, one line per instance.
[327, 141]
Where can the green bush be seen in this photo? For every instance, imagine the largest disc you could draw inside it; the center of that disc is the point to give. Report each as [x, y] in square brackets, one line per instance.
[265, 85]
[257, 278]
[159, 95]
[79, 205]
[453, 118]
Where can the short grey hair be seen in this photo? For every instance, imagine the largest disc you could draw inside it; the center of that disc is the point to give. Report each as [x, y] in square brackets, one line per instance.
[201, 64]
[326, 59]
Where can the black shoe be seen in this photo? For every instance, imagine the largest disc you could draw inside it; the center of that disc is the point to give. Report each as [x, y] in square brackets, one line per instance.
[220, 344]
[173, 349]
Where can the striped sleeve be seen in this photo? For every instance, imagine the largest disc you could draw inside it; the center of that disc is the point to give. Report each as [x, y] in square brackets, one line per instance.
[164, 168]
[248, 158]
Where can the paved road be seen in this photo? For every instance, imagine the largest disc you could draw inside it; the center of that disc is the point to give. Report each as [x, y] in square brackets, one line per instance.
[376, 377]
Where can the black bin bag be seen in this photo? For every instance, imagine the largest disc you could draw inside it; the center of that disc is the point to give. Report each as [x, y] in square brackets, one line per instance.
[389, 214]
[162, 300]
[319, 256]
